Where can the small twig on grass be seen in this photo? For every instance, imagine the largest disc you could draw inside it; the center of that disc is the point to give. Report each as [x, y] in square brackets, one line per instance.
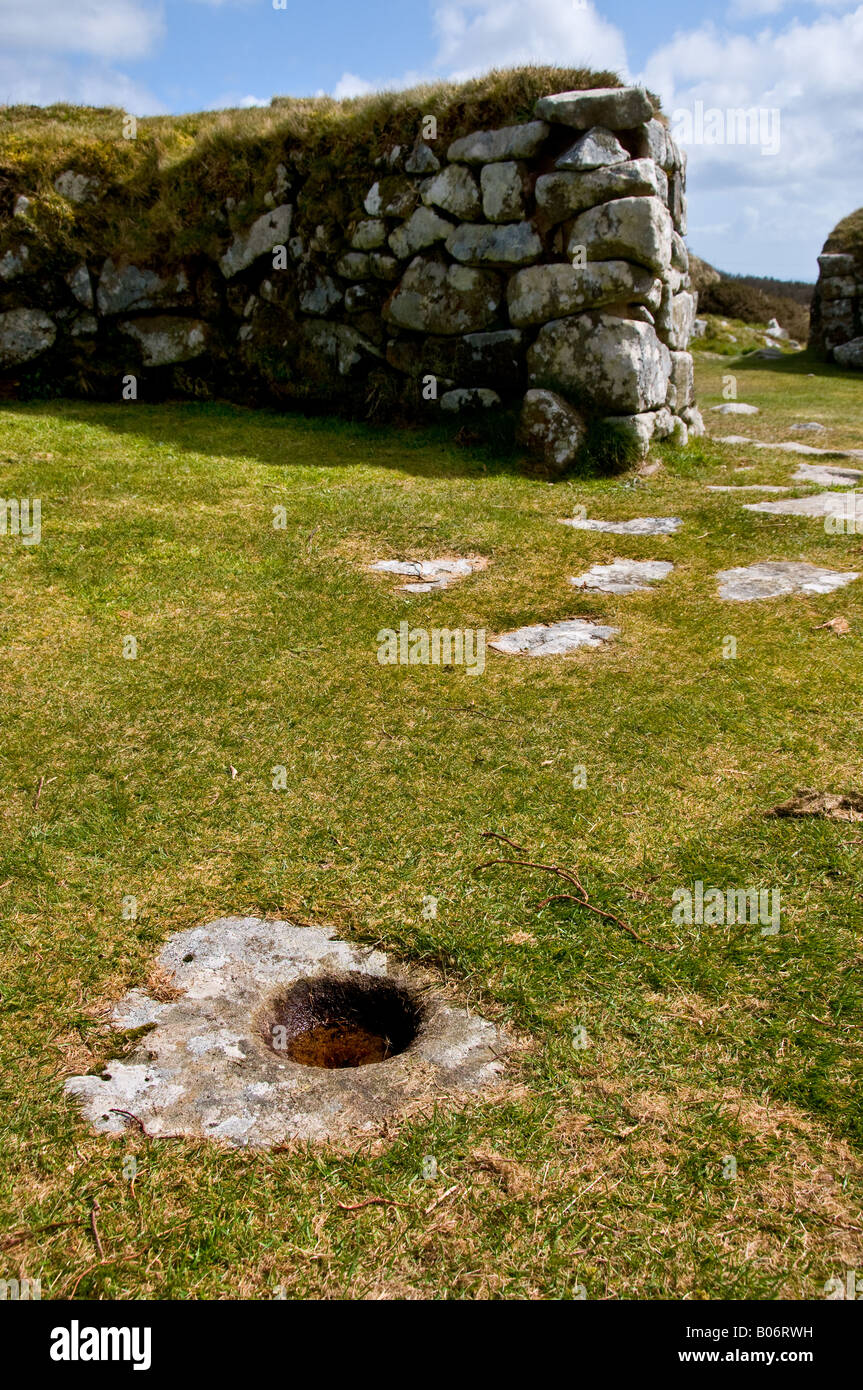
[372, 1202]
[583, 900]
[129, 1117]
[97, 1239]
[432, 1206]
[13, 1238]
[42, 783]
[493, 835]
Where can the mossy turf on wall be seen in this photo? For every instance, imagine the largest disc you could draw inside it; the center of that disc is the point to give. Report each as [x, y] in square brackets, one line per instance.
[389, 257]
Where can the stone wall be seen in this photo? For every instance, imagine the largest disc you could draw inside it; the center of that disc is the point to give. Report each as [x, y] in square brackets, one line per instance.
[537, 271]
[837, 305]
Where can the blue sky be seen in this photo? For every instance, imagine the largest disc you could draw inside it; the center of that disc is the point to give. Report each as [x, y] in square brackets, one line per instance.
[750, 210]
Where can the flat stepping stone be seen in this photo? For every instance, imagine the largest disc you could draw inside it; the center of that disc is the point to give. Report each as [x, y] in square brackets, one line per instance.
[623, 576]
[777, 578]
[747, 487]
[822, 504]
[824, 475]
[639, 526]
[789, 446]
[553, 639]
[428, 574]
[735, 408]
[807, 427]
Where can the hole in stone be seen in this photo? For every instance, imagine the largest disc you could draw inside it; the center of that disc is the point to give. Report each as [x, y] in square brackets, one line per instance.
[342, 1021]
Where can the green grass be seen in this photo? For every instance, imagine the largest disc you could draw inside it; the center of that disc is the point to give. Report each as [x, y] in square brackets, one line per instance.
[257, 647]
[732, 337]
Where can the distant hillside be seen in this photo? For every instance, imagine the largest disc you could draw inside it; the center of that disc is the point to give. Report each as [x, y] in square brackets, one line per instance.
[753, 298]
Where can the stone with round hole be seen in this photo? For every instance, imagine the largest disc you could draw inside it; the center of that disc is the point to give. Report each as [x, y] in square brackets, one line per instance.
[279, 1032]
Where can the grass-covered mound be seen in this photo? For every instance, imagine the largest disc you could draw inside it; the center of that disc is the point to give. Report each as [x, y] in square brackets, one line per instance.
[164, 190]
[847, 237]
[752, 299]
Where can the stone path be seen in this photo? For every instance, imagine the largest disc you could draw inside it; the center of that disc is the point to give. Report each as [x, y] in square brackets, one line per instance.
[748, 487]
[769, 579]
[639, 526]
[821, 504]
[777, 578]
[790, 446]
[429, 574]
[735, 408]
[825, 476]
[623, 576]
[553, 639]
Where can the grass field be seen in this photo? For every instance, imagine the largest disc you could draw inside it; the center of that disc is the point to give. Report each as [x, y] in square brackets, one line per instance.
[600, 1170]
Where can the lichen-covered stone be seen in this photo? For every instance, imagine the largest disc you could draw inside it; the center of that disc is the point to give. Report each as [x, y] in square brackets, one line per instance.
[563, 195]
[676, 318]
[505, 244]
[319, 293]
[778, 578]
[681, 380]
[553, 639]
[14, 262]
[636, 229]
[615, 365]
[355, 265]
[849, 354]
[423, 228]
[393, 196]
[384, 267]
[369, 234]
[623, 576]
[79, 282]
[551, 429]
[24, 334]
[637, 526]
[540, 293]
[422, 160]
[272, 229]
[124, 287]
[454, 190]
[340, 346]
[596, 149]
[469, 398]
[165, 340]
[489, 146]
[618, 108]
[503, 194]
[77, 188]
[436, 298]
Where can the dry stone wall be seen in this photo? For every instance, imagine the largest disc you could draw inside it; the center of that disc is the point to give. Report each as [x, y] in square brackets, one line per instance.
[538, 271]
[836, 325]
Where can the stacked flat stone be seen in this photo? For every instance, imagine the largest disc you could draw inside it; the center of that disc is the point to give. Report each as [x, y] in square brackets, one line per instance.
[836, 323]
[539, 267]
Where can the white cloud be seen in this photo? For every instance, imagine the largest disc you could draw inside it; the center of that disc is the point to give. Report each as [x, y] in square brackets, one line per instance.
[349, 85]
[46, 80]
[475, 35]
[102, 28]
[776, 210]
